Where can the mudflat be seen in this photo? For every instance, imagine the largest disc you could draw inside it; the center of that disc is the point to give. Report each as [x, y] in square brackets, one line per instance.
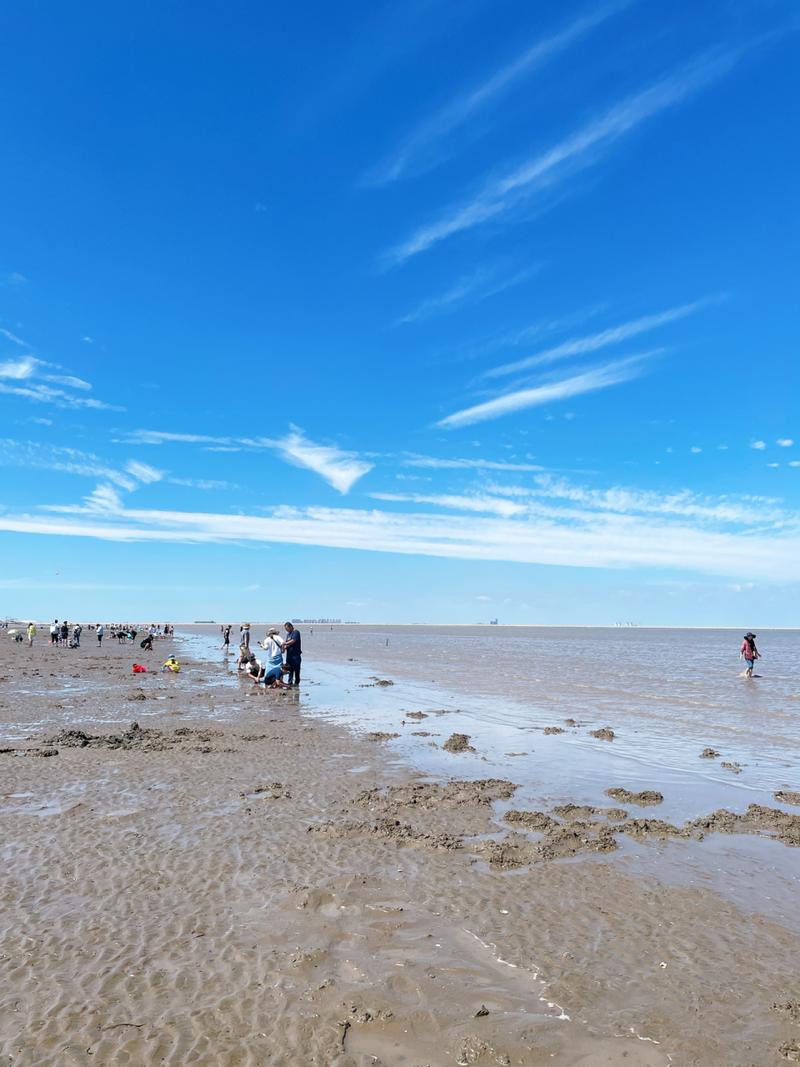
[196, 872]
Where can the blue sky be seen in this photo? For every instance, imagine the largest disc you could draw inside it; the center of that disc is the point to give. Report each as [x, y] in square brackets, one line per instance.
[405, 312]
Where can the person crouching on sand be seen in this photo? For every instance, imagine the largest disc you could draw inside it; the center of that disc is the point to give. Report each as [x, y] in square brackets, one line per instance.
[172, 666]
[749, 653]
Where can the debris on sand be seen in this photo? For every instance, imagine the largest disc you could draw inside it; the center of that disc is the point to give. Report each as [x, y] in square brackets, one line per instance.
[603, 734]
[786, 796]
[44, 753]
[422, 733]
[380, 735]
[643, 799]
[274, 791]
[481, 1012]
[553, 730]
[709, 753]
[416, 715]
[570, 722]
[458, 743]
[790, 1009]
[383, 682]
[790, 1050]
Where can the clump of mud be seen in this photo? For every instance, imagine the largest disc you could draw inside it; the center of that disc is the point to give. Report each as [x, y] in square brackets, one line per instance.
[709, 753]
[389, 830]
[786, 796]
[735, 768]
[790, 1050]
[380, 735]
[643, 799]
[273, 791]
[570, 722]
[652, 828]
[553, 730]
[604, 734]
[458, 743]
[557, 842]
[428, 796]
[531, 820]
[574, 812]
[135, 737]
[758, 819]
[416, 715]
[790, 1009]
[382, 682]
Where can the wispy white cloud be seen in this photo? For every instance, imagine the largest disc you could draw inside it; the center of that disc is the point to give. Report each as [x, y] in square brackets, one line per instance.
[579, 346]
[35, 373]
[582, 148]
[143, 472]
[18, 369]
[338, 468]
[603, 377]
[209, 484]
[475, 287]
[437, 463]
[9, 336]
[419, 150]
[747, 510]
[598, 538]
[759, 446]
[486, 505]
[784, 442]
[161, 437]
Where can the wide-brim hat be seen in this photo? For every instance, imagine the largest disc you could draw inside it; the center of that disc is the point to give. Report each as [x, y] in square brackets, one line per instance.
[272, 630]
[748, 634]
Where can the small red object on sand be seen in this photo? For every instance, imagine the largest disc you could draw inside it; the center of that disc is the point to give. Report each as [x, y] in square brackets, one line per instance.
[139, 669]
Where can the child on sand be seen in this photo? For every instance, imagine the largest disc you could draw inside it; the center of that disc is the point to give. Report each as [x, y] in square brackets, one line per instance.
[171, 665]
[749, 653]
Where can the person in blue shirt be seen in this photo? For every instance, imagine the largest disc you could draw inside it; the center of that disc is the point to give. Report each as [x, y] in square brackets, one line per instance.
[294, 653]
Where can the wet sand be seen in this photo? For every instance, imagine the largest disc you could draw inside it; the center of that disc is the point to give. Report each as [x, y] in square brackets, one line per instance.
[238, 881]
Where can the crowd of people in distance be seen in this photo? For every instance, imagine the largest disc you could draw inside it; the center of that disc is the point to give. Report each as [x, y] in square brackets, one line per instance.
[283, 656]
[68, 635]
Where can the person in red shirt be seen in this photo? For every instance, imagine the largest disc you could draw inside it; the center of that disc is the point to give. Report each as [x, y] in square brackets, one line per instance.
[749, 653]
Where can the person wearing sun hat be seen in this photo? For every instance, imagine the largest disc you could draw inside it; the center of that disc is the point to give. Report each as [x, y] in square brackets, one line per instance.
[749, 652]
[274, 667]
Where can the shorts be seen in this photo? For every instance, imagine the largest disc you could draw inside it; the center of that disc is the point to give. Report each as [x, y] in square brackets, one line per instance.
[273, 674]
[750, 664]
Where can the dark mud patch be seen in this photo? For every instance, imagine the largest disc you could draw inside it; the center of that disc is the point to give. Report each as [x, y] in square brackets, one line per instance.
[790, 1050]
[605, 733]
[570, 722]
[787, 796]
[558, 842]
[416, 715]
[388, 830]
[431, 796]
[643, 799]
[379, 682]
[273, 791]
[458, 743]
[422, 733]
[554, 730]
[758, 819]
[709, 753]
[789, 1009]
[135, 737]
[580, 812]
[651, 828]
[531, 820]
[734, 768]
[381, 735]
